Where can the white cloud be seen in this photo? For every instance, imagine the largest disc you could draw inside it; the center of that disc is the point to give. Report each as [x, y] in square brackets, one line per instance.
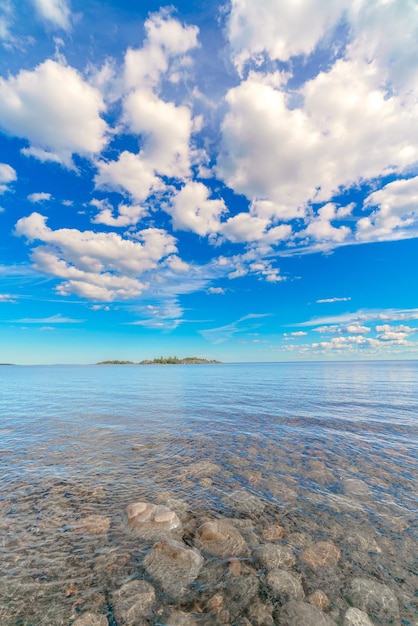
[128, 173]
[216, 290]
[192, 209]
[396, 215]
[52, 319]
[348, 129]
[385, 32]
[39, 196]
[166, 39]
[7, 297]
[55, 110]
[344, 329]
[244, 324]
[330, 300]
[298, 333]
[394, 334]
[386, 315]
[165, 315]
[97, 266]
[166, 129]
[126, 215]
[279, 28]
[7, 176]
[245, 227]
[57, 12]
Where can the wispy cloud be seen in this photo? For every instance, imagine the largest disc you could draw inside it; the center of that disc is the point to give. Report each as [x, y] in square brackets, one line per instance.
[53, 319]
[364, 315]
[7, 297]
[330, 300]
[242, 325]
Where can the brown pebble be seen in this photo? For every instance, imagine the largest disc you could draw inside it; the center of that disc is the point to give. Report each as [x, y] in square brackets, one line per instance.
[235, 567]
[216, 602]
[321, 554]
[273, 532]
[319, 599]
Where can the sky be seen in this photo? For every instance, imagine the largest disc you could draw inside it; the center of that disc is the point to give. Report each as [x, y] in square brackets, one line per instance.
[235, 181]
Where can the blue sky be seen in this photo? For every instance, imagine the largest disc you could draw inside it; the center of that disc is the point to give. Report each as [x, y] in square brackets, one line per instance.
[236, 180]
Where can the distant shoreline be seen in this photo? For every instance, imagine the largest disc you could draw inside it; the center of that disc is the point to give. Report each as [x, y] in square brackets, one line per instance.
[171, 360]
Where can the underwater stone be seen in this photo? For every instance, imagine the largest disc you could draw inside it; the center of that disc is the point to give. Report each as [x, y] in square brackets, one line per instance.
[220, 538]
[284, 585]
[151, 521]
[173, 566]
[273, 556]
[321, 554]
[91, 619]
[133, 602]
[355, 617]
[303, 614]
[373, 597]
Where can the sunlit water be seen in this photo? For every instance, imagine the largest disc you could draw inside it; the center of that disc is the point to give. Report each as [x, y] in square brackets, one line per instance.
[262, 445]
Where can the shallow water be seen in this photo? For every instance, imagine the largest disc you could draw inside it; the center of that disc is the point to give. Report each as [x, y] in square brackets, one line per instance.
[262, 445]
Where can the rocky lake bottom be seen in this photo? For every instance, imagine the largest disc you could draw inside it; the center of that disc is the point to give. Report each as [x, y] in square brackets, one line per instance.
[296, 521]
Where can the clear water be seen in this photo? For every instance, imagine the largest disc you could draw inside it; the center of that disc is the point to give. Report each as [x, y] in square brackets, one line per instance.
[79, 441]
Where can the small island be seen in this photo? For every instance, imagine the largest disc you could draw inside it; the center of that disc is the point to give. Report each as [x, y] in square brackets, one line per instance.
[171, 360]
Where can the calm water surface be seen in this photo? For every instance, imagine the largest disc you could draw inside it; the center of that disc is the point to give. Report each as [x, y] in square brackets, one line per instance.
[325, 451]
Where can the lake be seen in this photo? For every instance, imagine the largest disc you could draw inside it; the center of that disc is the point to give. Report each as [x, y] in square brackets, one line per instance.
[274, 494]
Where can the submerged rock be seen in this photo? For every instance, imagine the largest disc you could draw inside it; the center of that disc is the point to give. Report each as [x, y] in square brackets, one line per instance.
[201, 469]
[373, 597]
[91, 619]
[173, 566]
[319, 599]
[133, 602]
[356, 487]
[179, 618]
[303, 614]
[151, 521]
[273, 556]
[92, 524]
[261, 614]
[273, 533]
[220, 538]
[355, 617]
[321, 554]
[244, 502]
[283, 585]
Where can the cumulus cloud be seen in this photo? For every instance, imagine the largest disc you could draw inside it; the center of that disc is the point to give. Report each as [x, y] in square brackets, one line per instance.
[97, 266]
[55, 12]
[192, 209]
[383, 31]
[345, 107]
[166, 39]
[295, 29]
[126, 215]
[56, 110]
[7, 175]
[39, 196]
[164, 128]
[394, 212]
